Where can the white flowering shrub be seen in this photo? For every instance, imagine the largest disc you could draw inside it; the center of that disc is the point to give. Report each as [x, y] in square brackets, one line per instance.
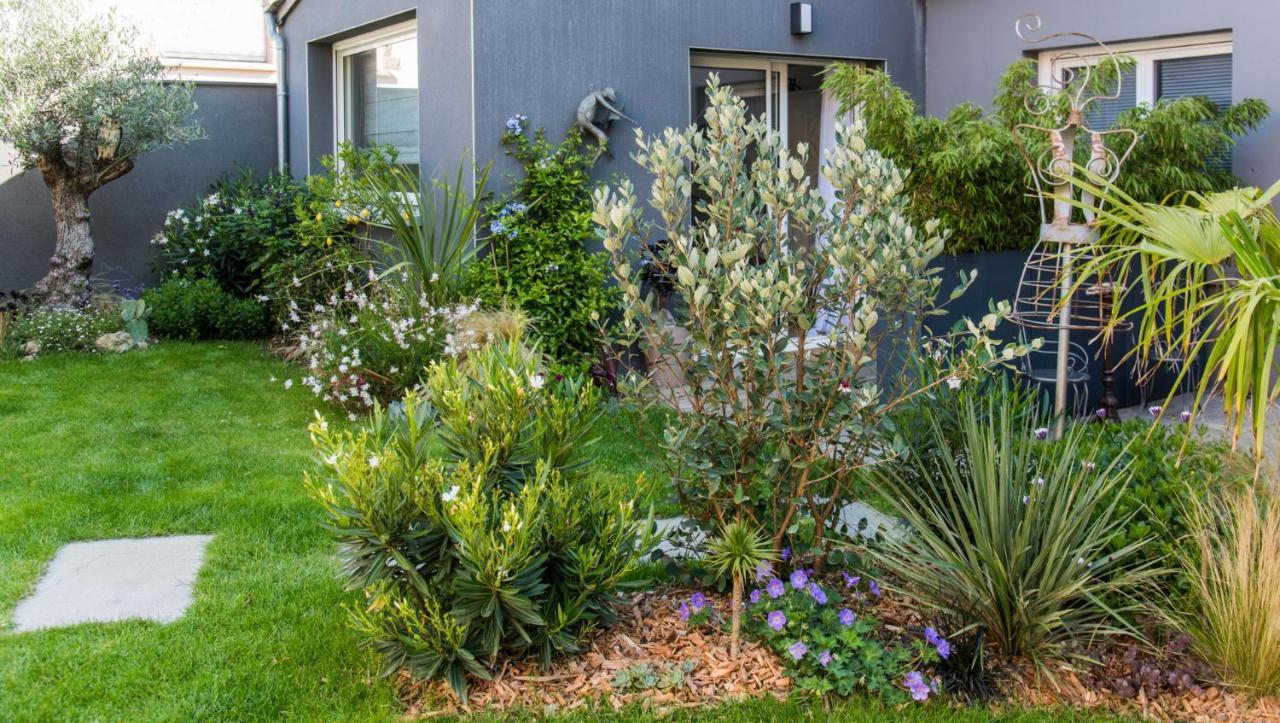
[504, 544]
[371, 342]
[787, 298]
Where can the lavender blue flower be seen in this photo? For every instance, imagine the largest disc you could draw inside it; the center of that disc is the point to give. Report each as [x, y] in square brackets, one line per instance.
[698, 600]
[873, 587]
[775, 588]
[776, 620]
[851, 580]
[684, 612]
[786, 554]
[515, 123]
[818, 595]
[754, 597]
[1042, 433]
[846, 617]
[824, 658]
[799, 579]
[798, 649]
[914, 682]
[764, 570]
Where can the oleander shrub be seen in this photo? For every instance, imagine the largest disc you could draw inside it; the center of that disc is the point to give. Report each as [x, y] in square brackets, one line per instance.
[231, 235]
[59, 330]
[536, 257]
[494, 541]
[186, 308]
[1012, 534]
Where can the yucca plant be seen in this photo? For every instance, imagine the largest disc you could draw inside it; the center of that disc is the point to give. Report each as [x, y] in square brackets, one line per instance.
[736, 552]
[1208, 274]
[431, 221]
[1233, 610]
[1008, 533]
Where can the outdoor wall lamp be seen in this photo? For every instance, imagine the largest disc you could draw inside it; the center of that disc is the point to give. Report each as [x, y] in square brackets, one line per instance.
[801, 18]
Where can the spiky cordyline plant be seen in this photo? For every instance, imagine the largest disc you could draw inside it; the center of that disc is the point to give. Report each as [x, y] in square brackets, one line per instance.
[1010, 535]
[737, 552]
[1208, 271]
[1233, 615]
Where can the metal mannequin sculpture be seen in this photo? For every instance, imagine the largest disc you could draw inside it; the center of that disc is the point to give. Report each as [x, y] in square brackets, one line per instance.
[1050, 297]
[596, 113]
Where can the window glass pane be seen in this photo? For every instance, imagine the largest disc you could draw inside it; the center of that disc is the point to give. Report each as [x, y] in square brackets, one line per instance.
[747, 83]
[381, 103]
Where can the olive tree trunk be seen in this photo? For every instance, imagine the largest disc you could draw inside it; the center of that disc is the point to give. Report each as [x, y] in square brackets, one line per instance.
[67, 283]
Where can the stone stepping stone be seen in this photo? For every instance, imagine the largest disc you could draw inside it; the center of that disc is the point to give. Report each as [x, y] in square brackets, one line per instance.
[110, 580]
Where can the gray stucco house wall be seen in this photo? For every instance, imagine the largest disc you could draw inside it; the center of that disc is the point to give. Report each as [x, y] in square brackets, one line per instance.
[969, 43]
[482, 61]
[239, 126]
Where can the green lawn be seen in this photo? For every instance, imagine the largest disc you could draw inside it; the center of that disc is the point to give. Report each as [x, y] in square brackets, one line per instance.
[185, 439]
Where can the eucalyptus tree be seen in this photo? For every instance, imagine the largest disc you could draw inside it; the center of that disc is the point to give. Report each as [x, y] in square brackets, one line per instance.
[80, 100]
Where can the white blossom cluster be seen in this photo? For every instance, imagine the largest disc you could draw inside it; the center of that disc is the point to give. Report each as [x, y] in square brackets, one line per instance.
[373, 339]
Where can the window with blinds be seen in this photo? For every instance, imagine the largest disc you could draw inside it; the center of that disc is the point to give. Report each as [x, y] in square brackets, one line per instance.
[1103, 112]
[1206, 75]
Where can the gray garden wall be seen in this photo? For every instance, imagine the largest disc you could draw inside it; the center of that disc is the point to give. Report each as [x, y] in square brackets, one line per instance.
[970, 43]
[239, 124]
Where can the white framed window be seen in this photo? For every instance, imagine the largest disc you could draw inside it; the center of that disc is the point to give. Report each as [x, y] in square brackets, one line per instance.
[376, 91]
[1193, 65]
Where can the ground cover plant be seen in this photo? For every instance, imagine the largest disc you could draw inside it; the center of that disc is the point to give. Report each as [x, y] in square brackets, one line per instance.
[500, 543]
[198, 308]
[780, 405]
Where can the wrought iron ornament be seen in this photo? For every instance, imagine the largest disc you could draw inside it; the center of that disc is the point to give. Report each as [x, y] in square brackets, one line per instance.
[1050, 297]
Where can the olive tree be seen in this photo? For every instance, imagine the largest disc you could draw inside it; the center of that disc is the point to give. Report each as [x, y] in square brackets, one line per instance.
[79, 101]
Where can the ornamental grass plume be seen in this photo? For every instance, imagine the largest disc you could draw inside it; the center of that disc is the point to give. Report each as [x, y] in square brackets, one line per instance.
[738, 552]
[1233, 611]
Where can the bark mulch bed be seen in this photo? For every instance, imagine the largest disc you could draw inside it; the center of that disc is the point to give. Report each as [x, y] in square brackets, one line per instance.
[649, 631]
[650, 635]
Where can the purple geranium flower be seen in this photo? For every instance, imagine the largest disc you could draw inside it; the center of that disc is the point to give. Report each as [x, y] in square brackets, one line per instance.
[754, 597]
[944, 649]
[799, 579]
[824, 658]
[698, 600]
[684, 612]
[846, 617]
[851, 580]
[817, 593]
[775, 588]
[914, 682]
[798, 649]
[786, 554]
[873, 587]
[764, 570]
[776, 620]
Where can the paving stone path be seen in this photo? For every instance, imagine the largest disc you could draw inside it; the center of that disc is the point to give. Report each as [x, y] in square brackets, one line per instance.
[109, 580]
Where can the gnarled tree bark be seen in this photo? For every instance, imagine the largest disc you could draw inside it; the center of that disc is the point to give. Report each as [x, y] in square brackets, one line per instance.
[67, 283]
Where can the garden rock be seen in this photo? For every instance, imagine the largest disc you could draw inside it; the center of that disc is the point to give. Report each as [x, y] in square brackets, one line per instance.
[120, 341]
[31, 348]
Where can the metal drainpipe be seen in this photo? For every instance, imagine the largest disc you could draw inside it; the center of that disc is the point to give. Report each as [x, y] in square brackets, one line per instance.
[282, 94]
